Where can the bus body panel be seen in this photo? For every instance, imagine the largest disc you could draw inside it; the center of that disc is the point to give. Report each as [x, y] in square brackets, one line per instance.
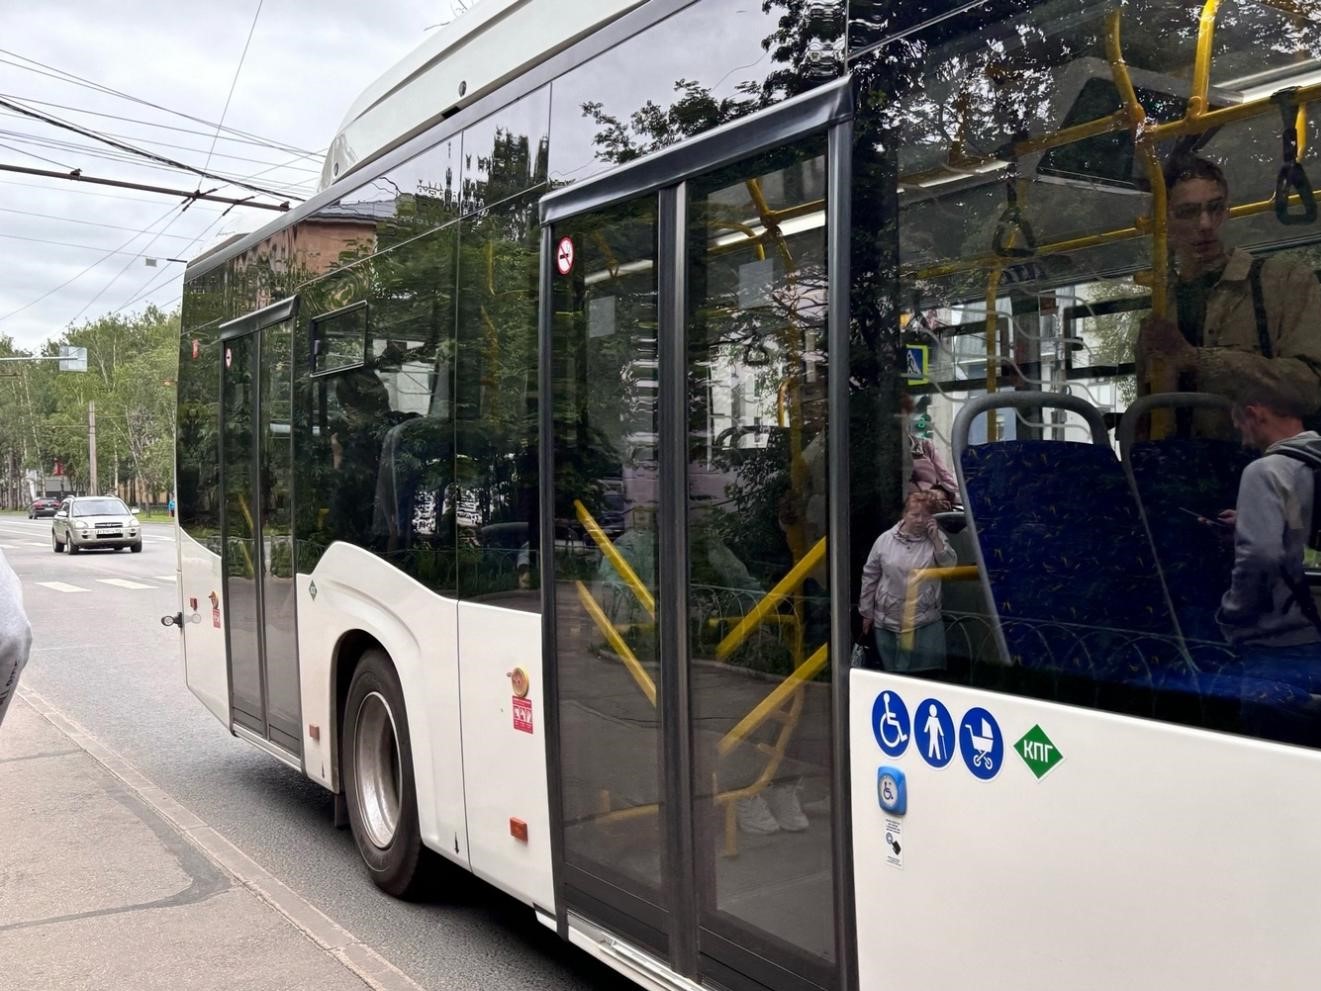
[356, 590]
[1151, 855]
[469, 58]
[206, 668]
[504, 750]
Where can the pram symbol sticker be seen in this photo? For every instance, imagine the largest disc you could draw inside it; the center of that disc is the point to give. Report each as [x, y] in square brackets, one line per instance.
[934, 732]
[981, 743]
[889, 722]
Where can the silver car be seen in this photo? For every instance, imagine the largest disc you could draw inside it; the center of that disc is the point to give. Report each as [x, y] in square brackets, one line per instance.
[95, 521]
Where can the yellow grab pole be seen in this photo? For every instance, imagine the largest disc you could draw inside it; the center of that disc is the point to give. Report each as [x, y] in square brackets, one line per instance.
[617, 643]
[777, 697]
[783, 588]
[955, 573]
[1206, 27]
[622, 567]
[1160, 377]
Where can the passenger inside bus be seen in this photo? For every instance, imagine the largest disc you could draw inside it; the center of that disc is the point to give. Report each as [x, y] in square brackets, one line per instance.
[1268, 613]
[1237, 314]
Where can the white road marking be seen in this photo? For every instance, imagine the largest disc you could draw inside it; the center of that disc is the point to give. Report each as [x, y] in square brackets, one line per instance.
[62, 587]
[123, 583]
[166, 578]
[33, 543]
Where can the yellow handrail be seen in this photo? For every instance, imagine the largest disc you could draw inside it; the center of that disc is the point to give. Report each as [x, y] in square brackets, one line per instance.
[1206, 26]
[954, 573]
[617, 643]
[783, 588]
[776, 698]
[622, 567]
[1141, 229]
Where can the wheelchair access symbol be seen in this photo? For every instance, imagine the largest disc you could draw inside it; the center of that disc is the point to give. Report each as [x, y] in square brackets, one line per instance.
[981, 743]
[889, 722]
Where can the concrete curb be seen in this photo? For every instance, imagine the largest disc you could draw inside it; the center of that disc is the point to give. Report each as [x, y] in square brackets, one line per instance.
[374, 970]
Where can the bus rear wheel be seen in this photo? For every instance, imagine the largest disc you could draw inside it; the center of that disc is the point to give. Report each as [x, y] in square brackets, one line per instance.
[380, 793]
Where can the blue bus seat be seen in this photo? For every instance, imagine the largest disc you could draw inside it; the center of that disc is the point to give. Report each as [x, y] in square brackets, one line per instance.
[1067, 564]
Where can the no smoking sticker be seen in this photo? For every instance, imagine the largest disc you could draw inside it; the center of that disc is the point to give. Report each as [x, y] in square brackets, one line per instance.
[564, 256]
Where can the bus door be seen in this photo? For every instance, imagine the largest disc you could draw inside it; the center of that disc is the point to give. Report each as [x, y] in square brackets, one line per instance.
[257, 525]
[688, 329]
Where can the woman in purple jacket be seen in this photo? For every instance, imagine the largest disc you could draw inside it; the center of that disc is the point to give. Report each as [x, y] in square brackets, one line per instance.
[916, 541]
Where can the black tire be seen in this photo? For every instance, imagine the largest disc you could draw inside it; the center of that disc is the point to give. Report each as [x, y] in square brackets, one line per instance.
[136, 548]
[396, 860]
[55, 544]
[73, 548]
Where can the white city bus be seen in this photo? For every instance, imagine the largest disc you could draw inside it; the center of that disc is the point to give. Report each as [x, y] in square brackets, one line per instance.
[527, 474]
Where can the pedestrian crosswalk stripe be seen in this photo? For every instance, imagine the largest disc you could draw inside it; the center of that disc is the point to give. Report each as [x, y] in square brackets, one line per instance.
[123, 583]
[61, 587]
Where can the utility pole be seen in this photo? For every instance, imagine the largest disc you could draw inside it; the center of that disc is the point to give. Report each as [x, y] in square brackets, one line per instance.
[91, 447]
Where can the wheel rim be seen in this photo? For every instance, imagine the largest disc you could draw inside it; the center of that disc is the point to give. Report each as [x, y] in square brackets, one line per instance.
[377, 772]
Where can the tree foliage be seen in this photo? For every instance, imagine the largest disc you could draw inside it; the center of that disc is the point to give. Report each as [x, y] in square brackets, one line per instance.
[131, 364]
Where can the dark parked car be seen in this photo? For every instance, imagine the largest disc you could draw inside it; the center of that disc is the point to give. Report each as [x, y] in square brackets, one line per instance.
[43, 507]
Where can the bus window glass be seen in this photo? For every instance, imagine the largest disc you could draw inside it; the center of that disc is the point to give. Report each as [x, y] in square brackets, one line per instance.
[380, 472]
[1120, 548]
[708, 64]
[496, 411]
[197, 450]
[416, 196]
[607, 651]
[757, 369]
[505, 154]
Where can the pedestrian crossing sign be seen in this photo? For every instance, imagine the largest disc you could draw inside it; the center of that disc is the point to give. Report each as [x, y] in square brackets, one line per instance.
[916, 357]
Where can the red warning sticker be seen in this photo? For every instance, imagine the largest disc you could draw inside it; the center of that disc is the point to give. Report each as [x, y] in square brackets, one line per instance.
[564, 256]
[215, 617]
[523, 714]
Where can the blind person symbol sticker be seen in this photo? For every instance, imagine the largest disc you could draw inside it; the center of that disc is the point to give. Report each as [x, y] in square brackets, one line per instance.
[889, 721]
[981, 743]
[934, 732]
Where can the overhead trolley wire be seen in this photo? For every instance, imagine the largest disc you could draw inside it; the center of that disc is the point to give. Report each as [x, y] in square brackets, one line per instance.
[233, 83]
[85, 223]
[150, 156]
[76, 175]
[314, 155]
[69, 77]
[69, 282]
[167, 144]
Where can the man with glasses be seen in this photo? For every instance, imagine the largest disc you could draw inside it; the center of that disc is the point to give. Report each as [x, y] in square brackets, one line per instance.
[1236, 315]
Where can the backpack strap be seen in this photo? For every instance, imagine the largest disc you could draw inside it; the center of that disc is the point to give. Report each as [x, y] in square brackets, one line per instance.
[1259, 308]
[1312, 462]
[1301, 596]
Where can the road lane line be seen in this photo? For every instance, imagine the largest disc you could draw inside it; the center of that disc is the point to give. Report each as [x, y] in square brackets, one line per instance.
[62, 587]
[123, 583]
[163, 578]
[33, 543]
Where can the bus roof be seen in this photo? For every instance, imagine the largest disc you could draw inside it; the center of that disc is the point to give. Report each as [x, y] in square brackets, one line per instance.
[463, 61]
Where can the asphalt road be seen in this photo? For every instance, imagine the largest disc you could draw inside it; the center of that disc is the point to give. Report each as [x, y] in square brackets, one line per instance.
[101, 656]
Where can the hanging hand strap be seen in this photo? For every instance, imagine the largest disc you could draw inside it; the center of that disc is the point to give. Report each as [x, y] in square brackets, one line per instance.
[1291, 177]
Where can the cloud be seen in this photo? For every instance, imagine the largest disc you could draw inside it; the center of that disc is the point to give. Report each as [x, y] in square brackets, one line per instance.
[304, 66]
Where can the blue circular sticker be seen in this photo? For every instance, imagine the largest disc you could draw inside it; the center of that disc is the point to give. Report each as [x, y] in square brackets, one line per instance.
[889, 722]
[933, 729]
[981, 743]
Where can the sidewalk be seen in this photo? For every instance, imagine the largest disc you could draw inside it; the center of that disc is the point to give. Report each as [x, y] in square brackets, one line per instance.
[107, 883]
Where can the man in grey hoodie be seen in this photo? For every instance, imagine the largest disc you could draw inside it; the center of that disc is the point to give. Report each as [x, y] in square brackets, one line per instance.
[15, 634]
[1267, 613]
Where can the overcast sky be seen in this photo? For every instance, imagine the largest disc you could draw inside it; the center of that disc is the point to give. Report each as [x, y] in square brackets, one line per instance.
[74, 252]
